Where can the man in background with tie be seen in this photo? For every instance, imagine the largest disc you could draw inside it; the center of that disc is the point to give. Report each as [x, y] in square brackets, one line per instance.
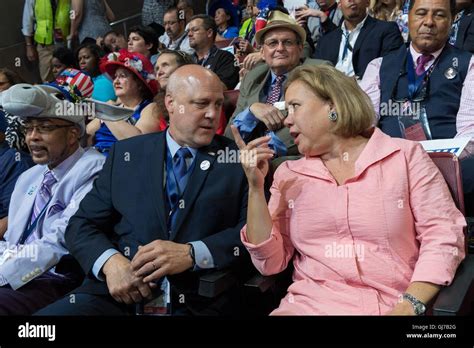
[255, 115]
[35, 268]
[359, 39]
[432, 77]
[166, 209]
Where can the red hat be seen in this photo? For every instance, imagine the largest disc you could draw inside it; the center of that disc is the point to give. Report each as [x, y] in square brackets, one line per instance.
[135, 62]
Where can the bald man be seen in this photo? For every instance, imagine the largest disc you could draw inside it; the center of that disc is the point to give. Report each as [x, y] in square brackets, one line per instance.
[166, 209]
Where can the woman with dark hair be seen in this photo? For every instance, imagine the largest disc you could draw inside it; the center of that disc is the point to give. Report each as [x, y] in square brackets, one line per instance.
[135, 85]
[63, 58]
[88, 56]
[225, 24]
[112, 42]
[143, 40]
[13, 133]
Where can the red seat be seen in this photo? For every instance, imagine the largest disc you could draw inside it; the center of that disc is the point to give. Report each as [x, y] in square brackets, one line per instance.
[223, 43]
[448, 165]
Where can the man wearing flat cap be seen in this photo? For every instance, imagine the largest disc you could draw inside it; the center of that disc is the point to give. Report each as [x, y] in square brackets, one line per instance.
[35, 268]
[255, 115]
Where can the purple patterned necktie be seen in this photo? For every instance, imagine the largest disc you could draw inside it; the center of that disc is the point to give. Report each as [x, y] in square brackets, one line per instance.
[421, 62]
[274, 95]
[42, 198]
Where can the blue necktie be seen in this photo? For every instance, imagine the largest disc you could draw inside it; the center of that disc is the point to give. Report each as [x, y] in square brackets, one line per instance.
[347, 44]
[179, 166]
[176, 183]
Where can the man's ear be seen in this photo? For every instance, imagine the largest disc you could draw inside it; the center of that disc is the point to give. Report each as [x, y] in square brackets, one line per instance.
[76, 134]
[169, 103]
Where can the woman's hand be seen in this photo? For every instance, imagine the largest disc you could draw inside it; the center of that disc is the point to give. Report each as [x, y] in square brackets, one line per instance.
[252, 59]
[254, 158]
[305, 12]
[245, 47]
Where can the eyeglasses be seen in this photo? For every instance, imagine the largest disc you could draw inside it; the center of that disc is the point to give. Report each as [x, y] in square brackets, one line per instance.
[286, 43]
[43, 128]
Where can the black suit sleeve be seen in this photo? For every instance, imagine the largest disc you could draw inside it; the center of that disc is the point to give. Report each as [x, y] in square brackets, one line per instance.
[392, 39]
[318, 52]
[88, 231]
[226, 68]
[328, 26]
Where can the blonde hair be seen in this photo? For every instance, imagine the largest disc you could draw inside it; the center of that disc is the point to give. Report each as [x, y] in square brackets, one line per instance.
[354, 108]
[379, 11]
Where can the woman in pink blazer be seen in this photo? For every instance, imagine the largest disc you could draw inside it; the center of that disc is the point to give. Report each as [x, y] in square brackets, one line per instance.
[367, 220]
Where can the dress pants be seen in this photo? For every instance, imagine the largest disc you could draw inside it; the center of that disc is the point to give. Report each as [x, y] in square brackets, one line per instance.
[36, 294]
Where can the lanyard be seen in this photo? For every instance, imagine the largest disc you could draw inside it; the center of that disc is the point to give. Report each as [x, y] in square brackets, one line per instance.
[211, 53]
[415, 83]
[32, 227]
[347, 45]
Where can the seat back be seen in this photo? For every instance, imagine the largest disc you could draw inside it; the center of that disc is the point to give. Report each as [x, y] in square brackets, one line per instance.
[448, 165]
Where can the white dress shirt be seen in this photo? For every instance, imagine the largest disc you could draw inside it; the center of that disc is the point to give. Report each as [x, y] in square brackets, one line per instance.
[345, 65]
[464, 119]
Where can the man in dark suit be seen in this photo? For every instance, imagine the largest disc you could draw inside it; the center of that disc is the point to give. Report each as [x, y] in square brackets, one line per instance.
[262, 87]
[359, 40]
[462, 32]
[167, 208]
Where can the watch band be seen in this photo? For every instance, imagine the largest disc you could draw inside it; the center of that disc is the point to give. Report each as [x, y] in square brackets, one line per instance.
[418, 307]
[191, 253]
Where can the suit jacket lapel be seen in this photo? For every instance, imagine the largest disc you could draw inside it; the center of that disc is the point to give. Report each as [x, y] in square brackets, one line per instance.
[261, 87]
[364, 32]
[24, 209]
[334, 49]
[195, 182]
[156, 176]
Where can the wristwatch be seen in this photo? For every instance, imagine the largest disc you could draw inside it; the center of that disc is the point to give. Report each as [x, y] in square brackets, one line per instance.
[418, 307]
[191, 253]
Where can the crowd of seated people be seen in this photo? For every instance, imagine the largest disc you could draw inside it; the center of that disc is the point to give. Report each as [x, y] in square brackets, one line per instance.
[127, 208]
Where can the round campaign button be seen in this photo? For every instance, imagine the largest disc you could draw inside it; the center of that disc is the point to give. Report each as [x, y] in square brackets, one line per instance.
[450, 73]
[205, 165]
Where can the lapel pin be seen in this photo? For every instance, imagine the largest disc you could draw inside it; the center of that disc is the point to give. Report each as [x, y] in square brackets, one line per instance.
[450, 73]
[31, 190]
[205, 165]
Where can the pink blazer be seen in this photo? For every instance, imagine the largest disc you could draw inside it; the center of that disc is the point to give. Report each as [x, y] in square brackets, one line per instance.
[357, 247]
